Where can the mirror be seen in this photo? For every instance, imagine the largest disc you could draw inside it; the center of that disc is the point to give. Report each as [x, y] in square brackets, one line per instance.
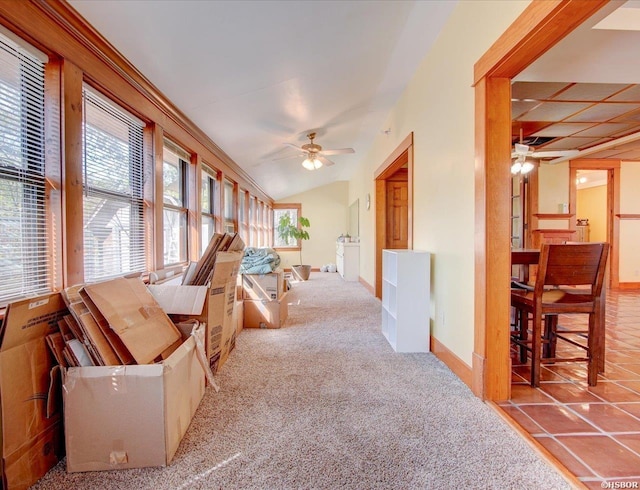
[353, 219]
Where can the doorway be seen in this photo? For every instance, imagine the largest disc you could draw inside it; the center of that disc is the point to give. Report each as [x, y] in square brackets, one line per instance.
[394, 204]
[609, 228]
[539, 27]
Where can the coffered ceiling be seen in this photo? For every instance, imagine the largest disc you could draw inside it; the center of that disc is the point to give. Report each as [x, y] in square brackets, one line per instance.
[583, 94]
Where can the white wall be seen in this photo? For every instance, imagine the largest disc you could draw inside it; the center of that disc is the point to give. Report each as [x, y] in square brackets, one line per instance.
[438, 106]
[327, 208]
[629, 229]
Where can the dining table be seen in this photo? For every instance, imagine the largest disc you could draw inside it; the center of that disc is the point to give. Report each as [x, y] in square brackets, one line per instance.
[524, 257]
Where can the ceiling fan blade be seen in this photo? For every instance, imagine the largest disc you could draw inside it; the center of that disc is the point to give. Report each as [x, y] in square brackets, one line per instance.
[325, 161]
[555, 153]
[339, 151]
[293, 146]
[297, 155]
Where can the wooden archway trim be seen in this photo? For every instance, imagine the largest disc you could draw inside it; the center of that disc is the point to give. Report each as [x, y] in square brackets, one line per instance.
[613, 207]
[538, 28]
[401, 156]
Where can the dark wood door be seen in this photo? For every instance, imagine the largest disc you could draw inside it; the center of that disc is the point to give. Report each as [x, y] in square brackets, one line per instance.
[397, 214]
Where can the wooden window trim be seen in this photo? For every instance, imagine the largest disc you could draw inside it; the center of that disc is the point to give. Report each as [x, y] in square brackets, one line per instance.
[296, 206]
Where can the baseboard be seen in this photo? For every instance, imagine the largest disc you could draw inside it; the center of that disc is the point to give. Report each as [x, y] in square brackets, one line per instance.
[367, 286]
[629, 285]
[453, 362]
[537, 447]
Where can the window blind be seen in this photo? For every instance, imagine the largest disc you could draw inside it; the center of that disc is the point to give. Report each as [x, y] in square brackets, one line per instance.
[174, 180]
[25, 267]
[113, 178]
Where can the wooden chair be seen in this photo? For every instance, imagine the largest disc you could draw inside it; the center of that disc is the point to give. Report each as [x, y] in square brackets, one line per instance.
[569, 281]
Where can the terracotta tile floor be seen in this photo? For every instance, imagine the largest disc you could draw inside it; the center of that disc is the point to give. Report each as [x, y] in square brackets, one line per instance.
[593, 431]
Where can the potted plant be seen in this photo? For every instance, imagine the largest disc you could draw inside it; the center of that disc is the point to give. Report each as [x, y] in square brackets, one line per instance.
[289, 230]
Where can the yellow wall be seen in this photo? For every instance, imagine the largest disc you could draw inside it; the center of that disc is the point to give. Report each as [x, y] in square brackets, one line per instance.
[327, 209]
[438, 106]
[592, 205]
[554, 189]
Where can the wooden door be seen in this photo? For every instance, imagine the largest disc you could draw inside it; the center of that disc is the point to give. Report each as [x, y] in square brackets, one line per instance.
[397, 214]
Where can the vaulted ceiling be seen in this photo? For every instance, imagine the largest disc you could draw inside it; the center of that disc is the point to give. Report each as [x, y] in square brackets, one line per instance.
[255, 75]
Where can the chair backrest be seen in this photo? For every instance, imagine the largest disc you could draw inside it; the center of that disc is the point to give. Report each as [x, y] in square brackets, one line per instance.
[577, 264]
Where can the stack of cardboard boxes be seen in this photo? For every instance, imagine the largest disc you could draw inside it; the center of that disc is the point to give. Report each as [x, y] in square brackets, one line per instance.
[125, 376]
[265, 300]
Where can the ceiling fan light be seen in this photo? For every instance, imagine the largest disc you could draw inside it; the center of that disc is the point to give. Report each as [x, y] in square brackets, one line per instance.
[317, 163]
[516, 168]
[526, 167]
[308, 164]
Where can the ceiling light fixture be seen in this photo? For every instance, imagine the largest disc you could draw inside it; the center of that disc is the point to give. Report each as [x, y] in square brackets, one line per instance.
[522, 166]
[311, 163]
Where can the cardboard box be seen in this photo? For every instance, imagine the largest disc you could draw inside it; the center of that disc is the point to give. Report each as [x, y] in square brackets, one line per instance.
[31, 409]
[213, 305]
[265, 313]
[131, 416]
[263, 286]
[135, 316]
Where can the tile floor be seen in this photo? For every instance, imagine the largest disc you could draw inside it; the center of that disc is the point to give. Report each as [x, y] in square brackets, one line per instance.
[593, 431]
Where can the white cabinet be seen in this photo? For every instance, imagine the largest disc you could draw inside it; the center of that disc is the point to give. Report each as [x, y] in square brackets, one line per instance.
[405, 299]
[348, 260]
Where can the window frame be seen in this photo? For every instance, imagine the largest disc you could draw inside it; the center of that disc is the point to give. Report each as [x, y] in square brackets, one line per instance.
[275, 208]
[33, 174]
[183, 208]
[211, 178]
[136, 199]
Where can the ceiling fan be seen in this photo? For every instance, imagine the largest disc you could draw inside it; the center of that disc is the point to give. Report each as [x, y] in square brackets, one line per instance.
[521, 152]
[316, 157]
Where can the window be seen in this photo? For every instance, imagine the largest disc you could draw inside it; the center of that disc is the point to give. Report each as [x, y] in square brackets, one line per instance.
[229, 223]
[242, 216]
[25, 267]
[261, 224]
[253, 218]
[208, 205]
[113, 182]
[279, 210]
[174, 180]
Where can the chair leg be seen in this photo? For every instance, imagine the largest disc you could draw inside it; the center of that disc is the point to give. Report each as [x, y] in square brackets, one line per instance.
[594, 347]
[536, 348]
[523, 322]
[549, 346]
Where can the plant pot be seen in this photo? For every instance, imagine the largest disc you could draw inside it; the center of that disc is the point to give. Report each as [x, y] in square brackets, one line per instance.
[302, 272]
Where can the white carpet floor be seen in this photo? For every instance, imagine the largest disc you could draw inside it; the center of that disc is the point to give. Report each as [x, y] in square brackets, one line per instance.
[325, 403]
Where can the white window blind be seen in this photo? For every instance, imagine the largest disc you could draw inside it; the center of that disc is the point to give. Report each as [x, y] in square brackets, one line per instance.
[113, 177]
[25, 267]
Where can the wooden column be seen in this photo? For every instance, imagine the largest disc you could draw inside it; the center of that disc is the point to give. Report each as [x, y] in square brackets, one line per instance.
[194, 191]
[73, 248]
[158, 197]
[491, 363]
